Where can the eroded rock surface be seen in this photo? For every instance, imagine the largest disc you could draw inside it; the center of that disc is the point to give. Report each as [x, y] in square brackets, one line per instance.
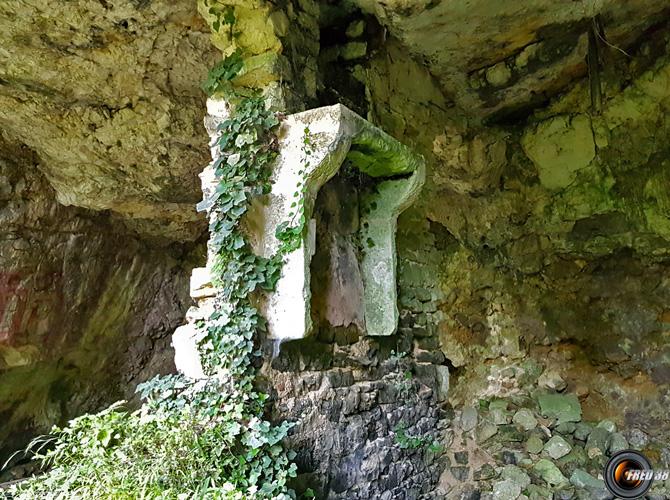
[107, 94]
[492, 56]
[101, 141]
[86, 308]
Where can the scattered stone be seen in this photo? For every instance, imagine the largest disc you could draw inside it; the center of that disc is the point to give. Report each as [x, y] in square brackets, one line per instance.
[534, 445]
[582, 479]
[506, 490]
[530, 370]
[469, 419]
[564, 494]
[486, 431]
[549, 473]
[608, 425]
[485, 472]
[566, 428]
[509, 433]
[499, 416]
[525, 419]
[498, 404]
[582, 431]
[516, 475]
[544, 427]
[536, 492]
[507, 457]
[563, 407]
[617, 443]
[461, 457]
[551, 379]
[460, 473]
[598, 442]
[637, 438]
[574, 460]
[557, 447]
[471, 494]
[599, 495]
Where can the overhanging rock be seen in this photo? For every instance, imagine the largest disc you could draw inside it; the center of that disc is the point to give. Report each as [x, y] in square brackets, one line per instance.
[313, 145]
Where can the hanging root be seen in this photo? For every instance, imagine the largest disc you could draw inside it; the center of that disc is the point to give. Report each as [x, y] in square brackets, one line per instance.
[593, 62]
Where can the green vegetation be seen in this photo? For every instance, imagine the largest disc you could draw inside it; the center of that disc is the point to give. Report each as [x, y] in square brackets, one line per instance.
[204, 439]
[220, 76]
[290, 232]
[406, 441]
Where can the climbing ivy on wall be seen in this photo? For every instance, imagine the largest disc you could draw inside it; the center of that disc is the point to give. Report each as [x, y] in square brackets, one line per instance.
[203, 439]
[290, 232]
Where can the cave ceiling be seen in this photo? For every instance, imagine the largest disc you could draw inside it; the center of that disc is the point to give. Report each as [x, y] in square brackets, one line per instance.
[107, 95]
[492, 56]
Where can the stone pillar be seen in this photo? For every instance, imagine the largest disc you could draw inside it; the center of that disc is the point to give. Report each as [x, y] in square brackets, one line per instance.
[380, 209]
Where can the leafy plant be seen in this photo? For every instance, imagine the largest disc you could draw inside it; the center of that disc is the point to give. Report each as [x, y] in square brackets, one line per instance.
[397, 356]
[290, 233]
[220, 76]
[406, 441]
[196, 439]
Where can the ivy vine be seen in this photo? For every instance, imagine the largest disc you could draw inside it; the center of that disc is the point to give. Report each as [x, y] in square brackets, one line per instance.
[290, 233]
[220, 76]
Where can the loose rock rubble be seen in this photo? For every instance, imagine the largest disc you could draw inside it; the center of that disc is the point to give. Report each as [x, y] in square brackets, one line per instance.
[535, 446]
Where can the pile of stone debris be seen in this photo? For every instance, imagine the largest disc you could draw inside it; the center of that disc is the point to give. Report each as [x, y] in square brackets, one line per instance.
[535, 448]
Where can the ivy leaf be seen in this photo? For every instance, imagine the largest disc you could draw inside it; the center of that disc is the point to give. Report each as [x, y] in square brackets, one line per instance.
[229, 16]
[233, 159]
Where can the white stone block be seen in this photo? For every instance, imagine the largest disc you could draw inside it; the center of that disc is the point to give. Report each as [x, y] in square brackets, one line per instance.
[186, 355]
[201, 284]
[379, 217]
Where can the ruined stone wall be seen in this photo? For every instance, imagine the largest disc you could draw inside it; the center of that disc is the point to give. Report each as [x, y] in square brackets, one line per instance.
[369, 410]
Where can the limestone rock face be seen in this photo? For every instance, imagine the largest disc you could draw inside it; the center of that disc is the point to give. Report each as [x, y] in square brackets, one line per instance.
[101, 141]
[489, 56]
[86, 309]
[107, 95]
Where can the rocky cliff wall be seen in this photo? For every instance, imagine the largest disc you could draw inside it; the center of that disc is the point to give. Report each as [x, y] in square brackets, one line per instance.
[101, 141]
[86, 308]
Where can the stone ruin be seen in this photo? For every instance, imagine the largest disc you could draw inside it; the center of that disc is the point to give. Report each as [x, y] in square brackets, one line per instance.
[337, 136]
